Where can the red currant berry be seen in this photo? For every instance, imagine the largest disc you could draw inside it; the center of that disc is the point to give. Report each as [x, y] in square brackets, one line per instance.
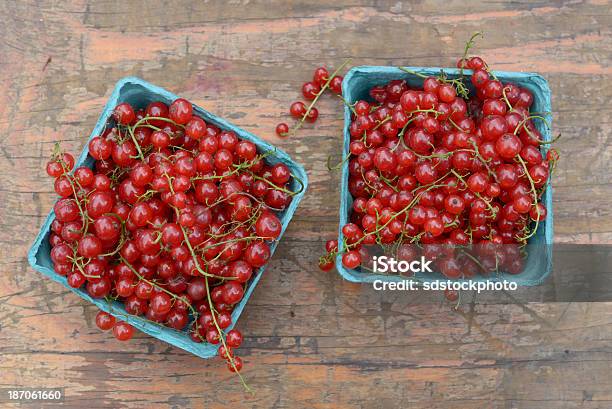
[297, 109]
[351, 259]
[195, 128]
[124, 114]
[233, 338]
[99, 148]
[235, 364]
[320, 77]
[104, 321]
[336, 84]
[282, 129]
[180, 111]
[313, 114]
[123, 331]
[310, 90]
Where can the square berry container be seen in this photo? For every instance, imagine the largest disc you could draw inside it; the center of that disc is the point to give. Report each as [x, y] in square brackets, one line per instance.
[139, 93]
[356, 86]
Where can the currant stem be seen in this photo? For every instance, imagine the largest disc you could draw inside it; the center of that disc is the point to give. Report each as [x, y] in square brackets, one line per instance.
[348, 104]
[339, 165]
[535, 198]
[140, 155]
[470, 43]
[282, 189]
[222, 336]
[409, 71]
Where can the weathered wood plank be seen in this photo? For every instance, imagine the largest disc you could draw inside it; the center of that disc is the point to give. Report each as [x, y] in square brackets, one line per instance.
[310, 337]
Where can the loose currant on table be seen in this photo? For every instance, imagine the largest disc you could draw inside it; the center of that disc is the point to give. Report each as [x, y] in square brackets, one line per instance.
[312, 91]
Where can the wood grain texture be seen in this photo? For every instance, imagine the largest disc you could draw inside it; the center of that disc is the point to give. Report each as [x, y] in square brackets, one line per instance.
[312, 340]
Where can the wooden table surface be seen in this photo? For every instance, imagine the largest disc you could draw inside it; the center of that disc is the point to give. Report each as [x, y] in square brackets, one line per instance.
[312, 340]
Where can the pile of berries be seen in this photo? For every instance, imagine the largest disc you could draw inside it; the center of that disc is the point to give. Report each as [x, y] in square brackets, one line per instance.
[312, 90]
[438, 167]
[172, 221]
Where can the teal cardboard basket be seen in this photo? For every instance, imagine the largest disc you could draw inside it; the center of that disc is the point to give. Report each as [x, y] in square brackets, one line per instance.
[356, 86]
[139, 93]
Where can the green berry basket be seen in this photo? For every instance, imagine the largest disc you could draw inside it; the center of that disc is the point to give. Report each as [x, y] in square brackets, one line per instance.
[356, 86]
[139, 93]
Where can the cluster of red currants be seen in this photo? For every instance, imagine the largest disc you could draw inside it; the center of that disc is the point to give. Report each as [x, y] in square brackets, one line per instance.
[172, 221]
[436, 165]
[311, 90]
